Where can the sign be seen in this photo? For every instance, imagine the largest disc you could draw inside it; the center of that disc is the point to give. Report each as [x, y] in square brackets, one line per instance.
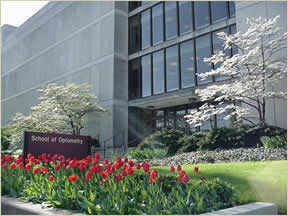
[71, 146]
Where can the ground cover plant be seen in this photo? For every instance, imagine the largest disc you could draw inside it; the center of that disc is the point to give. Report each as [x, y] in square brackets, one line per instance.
[120, 187]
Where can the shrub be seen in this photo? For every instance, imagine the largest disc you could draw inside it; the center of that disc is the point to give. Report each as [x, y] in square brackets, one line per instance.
[192, 142]
[144, 154]
[5, 136]
[274, 142]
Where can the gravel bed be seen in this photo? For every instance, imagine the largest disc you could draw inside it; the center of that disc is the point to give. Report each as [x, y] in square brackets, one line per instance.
[233, 155]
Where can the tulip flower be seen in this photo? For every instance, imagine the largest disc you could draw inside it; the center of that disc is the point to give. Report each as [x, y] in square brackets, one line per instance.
[13, 166]
[72, 178]
[35, 171]
[196, 169]
[51, 178]
[172, 169]
[178, 167]
[88, 175]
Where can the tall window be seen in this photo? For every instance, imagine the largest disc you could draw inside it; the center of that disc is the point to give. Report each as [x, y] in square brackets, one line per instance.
[145, 29]
[146, 75]
[201, 11]
[134, 34]
[134, 4]
[172, 72]
[203, 50]
[218, 11]
[185, 16]
[158, 72]
[134, 79]
[187, 64]
[157, 23]
[170, 19]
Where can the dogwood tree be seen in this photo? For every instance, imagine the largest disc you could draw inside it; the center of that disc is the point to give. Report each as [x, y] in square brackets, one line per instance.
[61, 109]
[255, 70]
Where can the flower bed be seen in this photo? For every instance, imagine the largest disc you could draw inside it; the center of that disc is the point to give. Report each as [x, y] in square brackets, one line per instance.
[121, 187]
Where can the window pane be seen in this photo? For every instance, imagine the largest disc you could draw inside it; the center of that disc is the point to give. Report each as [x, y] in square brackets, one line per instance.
[172, 68]
[146, 75]
[190, 128]
[233, 30]
[134, 79]
[180, 121]
[201, 11]
[157, 23]
[202, 51]
[170, 19]
[158, 72]
[145, 29]
[218, 45]
[170, 119]
[134, 34]
[218, 10]
[220, 120]
[206, 126]
[134, 4]
[185, 16]
[187, 64]
[232, 8]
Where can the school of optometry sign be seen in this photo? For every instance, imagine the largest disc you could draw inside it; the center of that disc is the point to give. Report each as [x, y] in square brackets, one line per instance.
[55, 139]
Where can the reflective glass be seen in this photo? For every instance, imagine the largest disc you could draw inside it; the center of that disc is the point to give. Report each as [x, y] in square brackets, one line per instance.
[203, 50]
[158, 72]
[232, 8]
[170, 19]
[146, 75]
[134, 79]
[157, 23]
[134, 34]
[201, 11]
[218, 11]
[145, 29]
[172, 68]
[187, 64]
[185, 16]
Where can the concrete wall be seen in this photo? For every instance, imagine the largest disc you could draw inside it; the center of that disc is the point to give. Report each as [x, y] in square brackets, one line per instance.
[79, 42]
[276, 108]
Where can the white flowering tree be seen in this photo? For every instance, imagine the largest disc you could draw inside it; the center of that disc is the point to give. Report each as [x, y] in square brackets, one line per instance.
[255, 70]
[62, 109]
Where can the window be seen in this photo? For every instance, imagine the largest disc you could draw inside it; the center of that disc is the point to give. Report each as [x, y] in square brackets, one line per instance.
[201, 11]
[159, 119]
[134, 34]
[218, 11]
[221, 122]
[158, 72]
[206, 126]
[134, 79]
[190, 128]
[233, 30]
[145, 29]
[170, 19]
[180, 121]
[170, 118]
[232, 8]
[185, 16]
[218, 45]
[172, 73]
[203, 50]
[157, 23]
[134, 4]
[187, 64]
[146, 75]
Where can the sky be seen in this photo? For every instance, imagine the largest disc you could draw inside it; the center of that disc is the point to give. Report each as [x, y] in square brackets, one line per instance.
[17, 12]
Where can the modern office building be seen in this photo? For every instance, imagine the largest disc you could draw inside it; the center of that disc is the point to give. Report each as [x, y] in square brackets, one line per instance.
[141, 59]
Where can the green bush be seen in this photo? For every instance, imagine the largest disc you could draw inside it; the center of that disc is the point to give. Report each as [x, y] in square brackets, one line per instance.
[144, 154]
[274, 142]
[192, 142]
[5, 135]
[162, 139]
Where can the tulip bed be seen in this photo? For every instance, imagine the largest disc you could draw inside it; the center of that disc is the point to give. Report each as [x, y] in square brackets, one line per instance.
[118, 187]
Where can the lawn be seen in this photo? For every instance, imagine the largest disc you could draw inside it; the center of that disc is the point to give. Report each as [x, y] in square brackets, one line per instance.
[262, 181]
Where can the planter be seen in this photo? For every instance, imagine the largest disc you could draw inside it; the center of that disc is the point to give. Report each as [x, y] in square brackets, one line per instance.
[12, 206]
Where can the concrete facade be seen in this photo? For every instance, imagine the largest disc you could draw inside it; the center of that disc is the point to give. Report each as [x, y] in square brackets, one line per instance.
[87, 42]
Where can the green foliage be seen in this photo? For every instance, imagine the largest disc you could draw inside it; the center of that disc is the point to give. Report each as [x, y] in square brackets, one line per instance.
[163, 138]
[5, 135]
[192, 142]
[274, 142]
[146, 154]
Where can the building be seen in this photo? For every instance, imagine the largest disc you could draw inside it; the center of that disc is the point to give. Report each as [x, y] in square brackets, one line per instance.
[140, 58]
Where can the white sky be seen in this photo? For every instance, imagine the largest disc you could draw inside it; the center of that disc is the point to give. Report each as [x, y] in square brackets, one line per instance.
[17, 12]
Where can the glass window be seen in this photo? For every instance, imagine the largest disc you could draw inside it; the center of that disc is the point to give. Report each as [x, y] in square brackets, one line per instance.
[185, 16]
[145, 29]
[157, 23]
[206, 125]
[201, 11]
[187, 64]
[180, 121]
[159, 124]
[218, 45]
[218, 11]
[134, 34]
[172, 73]
[221, 122]
[232, 8]
[233, 30]
[134, 4]
[170, 19]
[170, 118]
[190, 128]
[158, 72]
[146, 75]
[134, 79]
[203, 50]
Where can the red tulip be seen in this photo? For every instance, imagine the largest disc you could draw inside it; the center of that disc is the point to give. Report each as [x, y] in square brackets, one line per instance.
[130, 163]
[5, 166]
[125, 159]
[35, 171]
[124, 173]
[180, 179]
[182, 173]
[28, 167]
[118, 160]
[88, 175]
[151, 181]
[72, 178]
[118, 177]
[130, 171]
[44, 170]
[104, 175]
[83, 180]
[51, 178]
[178, 167]
[196, 169]
[153, 174]
[13, 166]
[145, 166]
[138, 166]
[105, 161]
[203, 178]
[57, 167]
[185, 178]
[172, 169]
[97, 156]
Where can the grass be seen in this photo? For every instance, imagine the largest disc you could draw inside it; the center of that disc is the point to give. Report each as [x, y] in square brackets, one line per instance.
[264, 181]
